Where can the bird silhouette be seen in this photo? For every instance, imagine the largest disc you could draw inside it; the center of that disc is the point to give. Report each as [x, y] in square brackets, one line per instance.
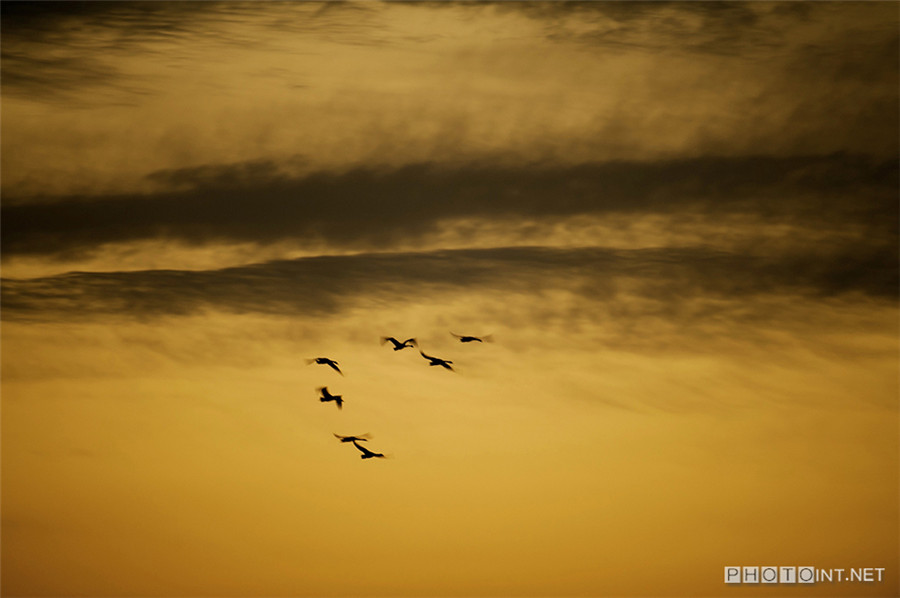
[469, 339]
[327, 396]
[325, 361]
[410, 342]
[366, 453]
[437, 361]
[361, 438]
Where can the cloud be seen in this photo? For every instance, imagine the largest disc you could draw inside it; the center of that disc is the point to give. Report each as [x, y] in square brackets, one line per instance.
[75, 53]
[371, 208]
[665, 280]
[745, 30]
[46, 55]
[530, 83]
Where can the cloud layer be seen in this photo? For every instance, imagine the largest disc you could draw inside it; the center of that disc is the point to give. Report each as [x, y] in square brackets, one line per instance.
[130, 89]
[668, 278]
[371, 208]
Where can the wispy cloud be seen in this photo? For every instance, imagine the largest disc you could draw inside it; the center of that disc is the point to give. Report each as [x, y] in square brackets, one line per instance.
[667, 278]
[72, 53]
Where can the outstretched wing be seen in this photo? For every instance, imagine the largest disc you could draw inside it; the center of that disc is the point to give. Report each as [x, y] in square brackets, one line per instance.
[333, 365]
[411, 341]
[363, 450]
[425, 356]
[459, 336]
[385, 339]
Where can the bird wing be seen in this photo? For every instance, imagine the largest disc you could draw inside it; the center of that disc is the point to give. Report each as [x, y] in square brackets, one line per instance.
[411, 341]
[385, 339]
[363, 450]
[333, 365]
[457, 335]
[339, 437]
[425, 356]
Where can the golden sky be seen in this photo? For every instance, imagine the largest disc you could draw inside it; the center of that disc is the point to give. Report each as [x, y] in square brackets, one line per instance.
[678, 221]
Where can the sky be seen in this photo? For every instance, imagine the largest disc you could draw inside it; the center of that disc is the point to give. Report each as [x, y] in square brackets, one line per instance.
[677, 222]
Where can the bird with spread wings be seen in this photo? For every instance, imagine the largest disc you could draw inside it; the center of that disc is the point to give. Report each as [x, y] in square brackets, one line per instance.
[472, 339]
[361, 437]
[444, 363]
[325, 361]
[367, 454]
[326, 397]
[398, 345]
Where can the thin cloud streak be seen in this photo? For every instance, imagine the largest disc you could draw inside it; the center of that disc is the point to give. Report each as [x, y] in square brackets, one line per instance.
[668, 277]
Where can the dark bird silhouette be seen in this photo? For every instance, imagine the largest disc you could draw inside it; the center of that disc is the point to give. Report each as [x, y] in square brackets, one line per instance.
[361, 438]
[366, 453]
[327, 396]
[445, 363]
[410, 342]
[470, 339]
[325, 361]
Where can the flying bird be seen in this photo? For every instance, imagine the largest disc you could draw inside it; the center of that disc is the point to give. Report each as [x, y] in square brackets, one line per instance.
[469, 339]
[445, 363]
[366, 453]
[325, 361]
[410, 342]
[327, 396]
[361, 438]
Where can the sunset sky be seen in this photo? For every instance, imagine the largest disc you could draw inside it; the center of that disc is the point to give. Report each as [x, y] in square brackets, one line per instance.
[677, 221]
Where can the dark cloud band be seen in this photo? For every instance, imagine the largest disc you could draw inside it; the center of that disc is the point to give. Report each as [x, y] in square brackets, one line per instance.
[370, 208]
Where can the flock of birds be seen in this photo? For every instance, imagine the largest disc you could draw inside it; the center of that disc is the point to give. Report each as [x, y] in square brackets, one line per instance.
[326, 397]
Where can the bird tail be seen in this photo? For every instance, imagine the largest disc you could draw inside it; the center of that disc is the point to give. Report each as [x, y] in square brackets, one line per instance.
[340, 402]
